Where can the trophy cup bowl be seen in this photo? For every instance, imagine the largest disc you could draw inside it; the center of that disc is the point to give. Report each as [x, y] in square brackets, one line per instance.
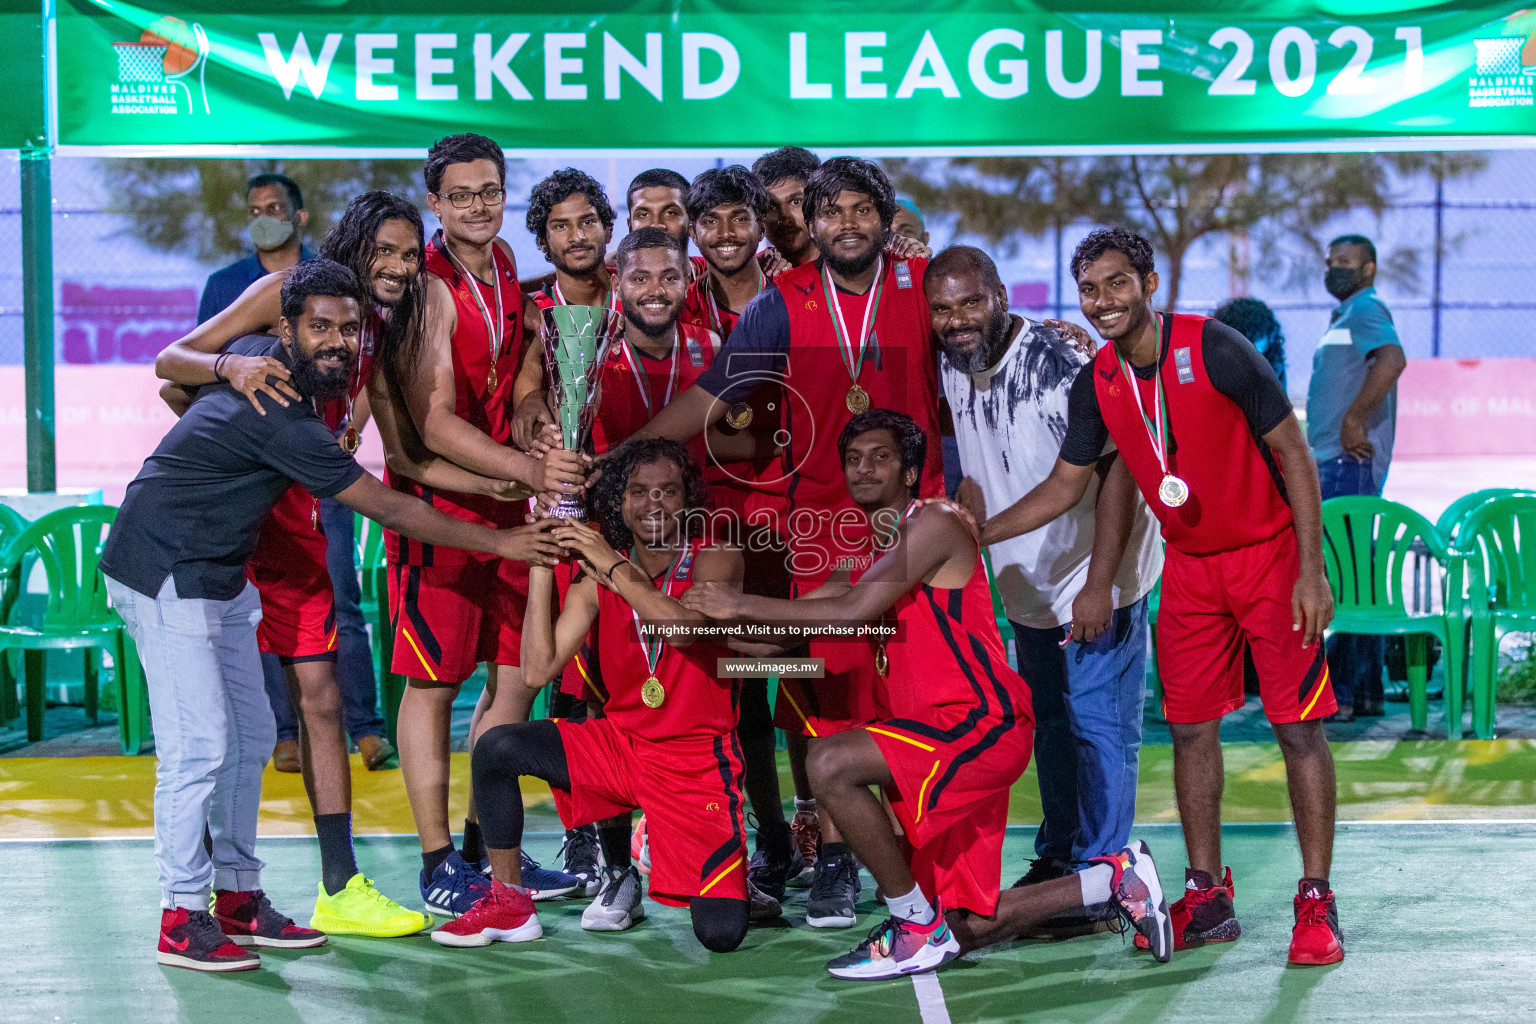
[577, 340]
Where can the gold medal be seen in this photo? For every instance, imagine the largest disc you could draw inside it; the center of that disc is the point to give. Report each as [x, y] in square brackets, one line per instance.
[858, 400]
[349, 441]
[490, 381]
[739, 416]
[1173, 491]
[882, 663]
[653, 693]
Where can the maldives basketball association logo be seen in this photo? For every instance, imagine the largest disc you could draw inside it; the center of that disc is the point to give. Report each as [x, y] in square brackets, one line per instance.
[162, 69]
[1504, 66]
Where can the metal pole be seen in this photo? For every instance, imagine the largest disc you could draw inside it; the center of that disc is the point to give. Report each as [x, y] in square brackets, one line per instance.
[1434, 331]
[1056, 286]
[37, 315]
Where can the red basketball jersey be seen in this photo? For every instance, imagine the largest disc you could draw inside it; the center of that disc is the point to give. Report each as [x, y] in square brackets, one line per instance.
[696, 704]
[1233, 499]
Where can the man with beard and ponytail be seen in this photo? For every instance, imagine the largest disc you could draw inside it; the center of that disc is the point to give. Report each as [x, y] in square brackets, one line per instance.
[380, 238]
[455, 609]
[1198, 418]
[666, 744]
[1076, 591]
[845, 332]
[952, 733]
[175, 567]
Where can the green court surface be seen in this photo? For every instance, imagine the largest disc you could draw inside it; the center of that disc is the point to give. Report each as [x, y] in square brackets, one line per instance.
[1435, 915]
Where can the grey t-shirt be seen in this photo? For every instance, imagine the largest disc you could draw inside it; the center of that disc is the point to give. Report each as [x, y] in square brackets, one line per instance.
[1360, 325]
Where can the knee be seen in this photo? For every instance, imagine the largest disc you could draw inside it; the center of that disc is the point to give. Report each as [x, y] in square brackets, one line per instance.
[720, 929]
[321, 702]
[1301, 739]
[826, 765]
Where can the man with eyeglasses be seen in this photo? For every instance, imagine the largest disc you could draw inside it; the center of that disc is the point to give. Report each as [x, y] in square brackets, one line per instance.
[454, 609]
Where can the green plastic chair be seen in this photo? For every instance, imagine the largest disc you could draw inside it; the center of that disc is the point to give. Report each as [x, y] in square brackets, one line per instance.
[68, 543]
[1451, 519]
[1498, 545]
[1368, 547]
[375, 608]
[12, 583]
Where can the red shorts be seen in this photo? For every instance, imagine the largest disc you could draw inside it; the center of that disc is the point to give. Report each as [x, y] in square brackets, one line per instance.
[298, 608]
[843, 699]
[951, 798]
[1211, 606]
[690, 791]
[450, 618]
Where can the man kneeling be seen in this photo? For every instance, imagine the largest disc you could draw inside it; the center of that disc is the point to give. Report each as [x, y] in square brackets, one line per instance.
[666, 743]
[954, 729]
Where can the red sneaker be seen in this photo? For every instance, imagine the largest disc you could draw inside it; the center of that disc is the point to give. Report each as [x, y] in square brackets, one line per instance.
[1204, 913]
[249, 919]
[1316, 939]
[504, 914]
[192, 939]
[805, 835]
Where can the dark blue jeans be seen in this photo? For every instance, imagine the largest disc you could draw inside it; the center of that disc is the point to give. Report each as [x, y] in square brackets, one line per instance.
[1088, 705]
[1354, 662]
[354, 657]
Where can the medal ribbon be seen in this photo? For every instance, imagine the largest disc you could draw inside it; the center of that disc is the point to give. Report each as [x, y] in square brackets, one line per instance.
[853, 363]
[1158, 434]
[643, 382]
[653, 653]
[495, 332]
[715, 322]
[611, 300]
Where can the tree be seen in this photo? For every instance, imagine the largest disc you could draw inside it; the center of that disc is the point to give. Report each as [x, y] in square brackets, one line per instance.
[197, 207]
[1177, 200]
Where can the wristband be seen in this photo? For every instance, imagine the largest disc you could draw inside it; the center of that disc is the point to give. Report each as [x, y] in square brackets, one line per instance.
[217, 376]
[609, 574]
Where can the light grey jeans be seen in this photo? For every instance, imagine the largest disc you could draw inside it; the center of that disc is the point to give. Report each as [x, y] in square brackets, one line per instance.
[213, 734]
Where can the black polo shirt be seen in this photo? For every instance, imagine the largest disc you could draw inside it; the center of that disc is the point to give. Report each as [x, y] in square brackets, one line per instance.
[195, 510]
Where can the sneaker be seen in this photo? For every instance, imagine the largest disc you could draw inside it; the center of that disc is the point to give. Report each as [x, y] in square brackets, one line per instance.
[805, 833]
[1203, 914]
[618, 905]
[1041, 869]
[770, 865]
[502, 914]
[547, 883]
[1316, 939]
[360, 909]
[640, 848]
[454, 887]
[579, 857]
[834, 893]
[194, 940]
[1138, 897]
[249, 919]
[895, 947]
[761, 906]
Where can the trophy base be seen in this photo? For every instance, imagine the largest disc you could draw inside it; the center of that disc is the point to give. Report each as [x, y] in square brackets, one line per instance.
[570, 508]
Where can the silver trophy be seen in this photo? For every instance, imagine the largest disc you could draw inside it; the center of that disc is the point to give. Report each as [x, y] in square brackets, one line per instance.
[577, 340]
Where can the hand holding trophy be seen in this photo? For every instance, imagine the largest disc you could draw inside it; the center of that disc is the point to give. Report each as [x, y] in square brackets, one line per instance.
[577, 340]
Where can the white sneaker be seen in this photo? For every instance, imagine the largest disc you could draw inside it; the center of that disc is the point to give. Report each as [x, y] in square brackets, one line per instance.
[617, 906]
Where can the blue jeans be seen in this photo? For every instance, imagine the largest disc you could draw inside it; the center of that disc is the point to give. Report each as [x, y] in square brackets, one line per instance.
[1088, 706]
[213, 735]
[1355, 662]
[354, 657]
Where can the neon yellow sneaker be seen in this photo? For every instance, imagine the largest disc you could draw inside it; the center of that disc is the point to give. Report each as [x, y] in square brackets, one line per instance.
[360, 909]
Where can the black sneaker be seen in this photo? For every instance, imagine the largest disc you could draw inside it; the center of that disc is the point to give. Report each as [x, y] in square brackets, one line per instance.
[193, 939]
[769, 868]
[834, 893]
[580, 854]
[1042, 869]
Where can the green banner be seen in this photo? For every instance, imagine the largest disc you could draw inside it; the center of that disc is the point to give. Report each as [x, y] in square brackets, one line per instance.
[21, 76]
[695, 74]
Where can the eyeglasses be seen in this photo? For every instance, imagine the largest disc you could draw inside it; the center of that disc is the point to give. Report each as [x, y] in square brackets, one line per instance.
[464, 200]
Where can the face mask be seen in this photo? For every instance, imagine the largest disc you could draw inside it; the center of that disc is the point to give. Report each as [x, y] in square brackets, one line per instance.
[269, 232]
[1341, 282]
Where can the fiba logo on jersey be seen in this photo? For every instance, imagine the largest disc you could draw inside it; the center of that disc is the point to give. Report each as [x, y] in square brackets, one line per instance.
[160, 69]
